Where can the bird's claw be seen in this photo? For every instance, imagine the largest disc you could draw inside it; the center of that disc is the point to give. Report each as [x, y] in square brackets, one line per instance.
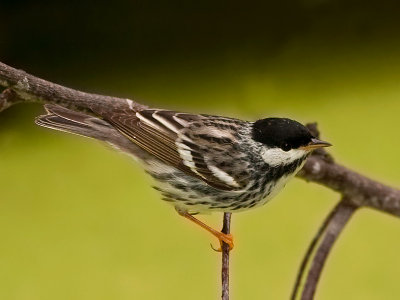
[224, 238]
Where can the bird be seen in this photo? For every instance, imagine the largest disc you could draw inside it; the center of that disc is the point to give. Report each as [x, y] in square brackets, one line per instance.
[200, 163]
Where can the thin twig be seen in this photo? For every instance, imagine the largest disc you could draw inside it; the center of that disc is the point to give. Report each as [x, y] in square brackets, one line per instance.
[310, 250]
[225, 258]
[337, 222]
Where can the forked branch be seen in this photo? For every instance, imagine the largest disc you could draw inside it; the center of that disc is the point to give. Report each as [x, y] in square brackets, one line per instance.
[324, 239]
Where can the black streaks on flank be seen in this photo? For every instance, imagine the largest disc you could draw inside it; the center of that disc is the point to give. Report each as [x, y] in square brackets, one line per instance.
[244, 197]
[202, 190]
[256, 185]
[275, 173]
[252, 203]
[270, 187]
[225, 198]
[179, 186]
[203, 202]
[240, 206]
[264, 183]
[167, 199]
[157, 188]
[173, 198]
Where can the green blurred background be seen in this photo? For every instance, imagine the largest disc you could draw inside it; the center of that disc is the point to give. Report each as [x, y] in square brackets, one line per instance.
[78, 221]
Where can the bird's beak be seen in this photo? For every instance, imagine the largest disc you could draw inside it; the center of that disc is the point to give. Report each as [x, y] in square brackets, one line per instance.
[314, 144]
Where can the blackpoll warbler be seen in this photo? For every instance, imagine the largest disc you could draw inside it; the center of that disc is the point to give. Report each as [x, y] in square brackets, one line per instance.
[200, 163]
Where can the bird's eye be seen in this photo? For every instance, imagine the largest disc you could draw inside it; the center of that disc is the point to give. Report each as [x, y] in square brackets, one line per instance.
[286, 147]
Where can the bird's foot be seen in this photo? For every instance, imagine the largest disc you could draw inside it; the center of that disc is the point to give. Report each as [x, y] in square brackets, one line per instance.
[223, 238]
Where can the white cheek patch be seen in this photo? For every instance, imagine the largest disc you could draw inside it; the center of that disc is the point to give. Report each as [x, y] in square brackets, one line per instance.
[276, 156]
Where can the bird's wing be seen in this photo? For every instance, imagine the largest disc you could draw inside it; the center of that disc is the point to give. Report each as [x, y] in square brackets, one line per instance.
[212, 148]
[186, 141]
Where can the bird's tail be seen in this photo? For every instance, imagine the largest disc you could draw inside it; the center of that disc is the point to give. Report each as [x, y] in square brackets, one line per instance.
[63, 119]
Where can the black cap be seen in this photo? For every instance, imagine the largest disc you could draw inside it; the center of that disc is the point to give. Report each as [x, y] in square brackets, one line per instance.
[281, 133]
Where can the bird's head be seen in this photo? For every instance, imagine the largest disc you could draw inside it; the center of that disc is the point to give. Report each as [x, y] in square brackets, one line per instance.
[284, 140]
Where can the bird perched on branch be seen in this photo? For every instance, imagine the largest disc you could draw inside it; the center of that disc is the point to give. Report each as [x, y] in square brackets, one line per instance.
[200, 163]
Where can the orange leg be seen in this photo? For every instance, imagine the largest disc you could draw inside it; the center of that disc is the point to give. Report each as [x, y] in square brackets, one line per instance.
[222, 237]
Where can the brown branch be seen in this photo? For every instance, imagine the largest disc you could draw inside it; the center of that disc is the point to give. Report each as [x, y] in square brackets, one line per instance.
[360, 190]
[328, 233]
[341, 216]
[225, 258]
[357, 191]
[310, 250]
[29, 88]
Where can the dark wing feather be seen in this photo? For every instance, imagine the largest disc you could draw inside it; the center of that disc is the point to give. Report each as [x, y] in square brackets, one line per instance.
[165, 134]
[217, 152]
